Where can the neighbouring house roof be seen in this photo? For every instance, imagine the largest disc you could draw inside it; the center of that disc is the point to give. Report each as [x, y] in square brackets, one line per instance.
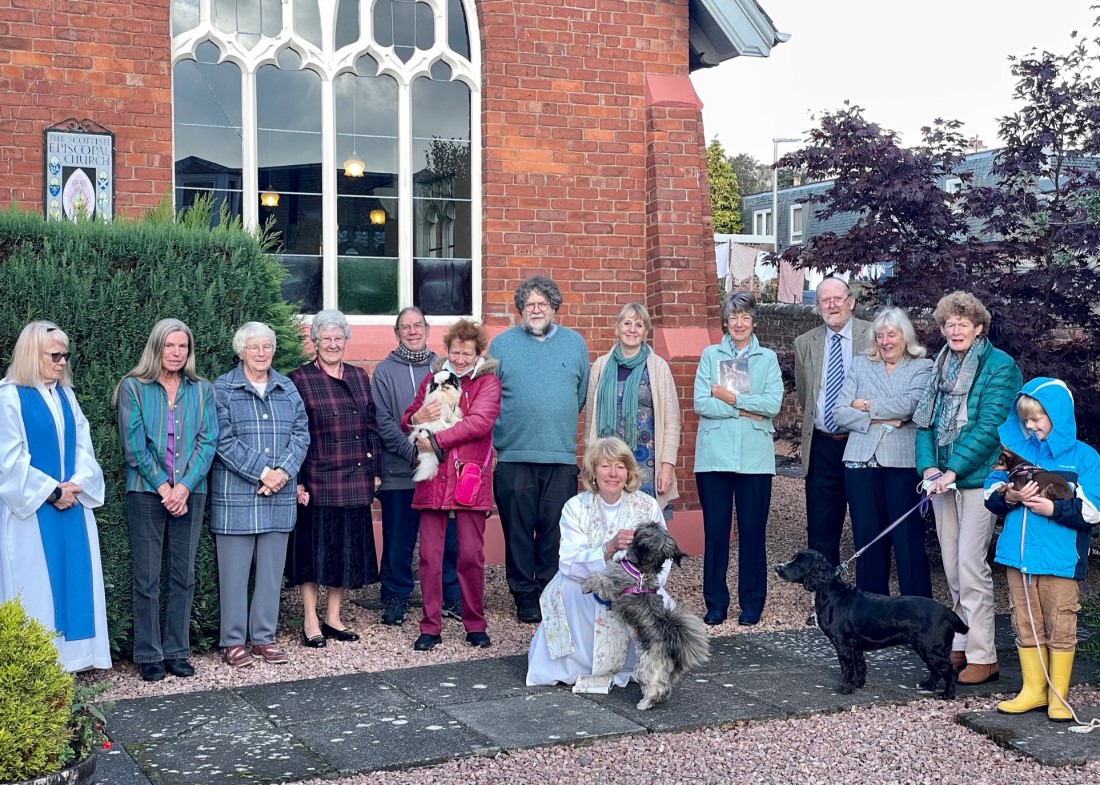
[723, 29]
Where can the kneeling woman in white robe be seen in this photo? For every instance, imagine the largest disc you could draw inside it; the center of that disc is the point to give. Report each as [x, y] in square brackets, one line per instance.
[49, 483]
[580, 642]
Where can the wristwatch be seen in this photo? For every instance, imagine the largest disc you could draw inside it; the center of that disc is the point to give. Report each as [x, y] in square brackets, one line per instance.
[57, 493]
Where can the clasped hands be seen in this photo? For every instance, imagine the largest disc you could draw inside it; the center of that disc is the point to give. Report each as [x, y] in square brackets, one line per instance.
[272, 481]
[174, 498]
[69, 491]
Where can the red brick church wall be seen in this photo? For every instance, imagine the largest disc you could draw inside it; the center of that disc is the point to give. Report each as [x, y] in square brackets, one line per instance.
[594, 167]
[106, 60]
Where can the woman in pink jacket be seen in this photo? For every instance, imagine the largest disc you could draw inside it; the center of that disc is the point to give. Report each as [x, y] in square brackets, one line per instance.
[469, 441]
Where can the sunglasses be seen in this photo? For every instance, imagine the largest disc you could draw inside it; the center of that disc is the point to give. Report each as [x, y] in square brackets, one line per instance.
[59, 356]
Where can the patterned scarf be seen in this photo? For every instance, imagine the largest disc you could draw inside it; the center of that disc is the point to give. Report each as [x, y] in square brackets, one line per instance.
[945, 392]
[608, 409]
[415, 358]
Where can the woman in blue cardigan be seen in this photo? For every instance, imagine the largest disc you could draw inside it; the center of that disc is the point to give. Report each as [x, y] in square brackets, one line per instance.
[738, 390]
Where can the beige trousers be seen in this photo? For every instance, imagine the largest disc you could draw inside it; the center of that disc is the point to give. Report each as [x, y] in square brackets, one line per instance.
[965, 527]
[1054, 604]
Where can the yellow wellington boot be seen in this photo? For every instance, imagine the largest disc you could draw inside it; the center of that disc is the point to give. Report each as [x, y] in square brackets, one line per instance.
[1034, 692]
[1061, 668]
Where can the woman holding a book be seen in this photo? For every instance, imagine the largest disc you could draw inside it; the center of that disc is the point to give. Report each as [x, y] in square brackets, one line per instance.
[632, 395]
[738, 390]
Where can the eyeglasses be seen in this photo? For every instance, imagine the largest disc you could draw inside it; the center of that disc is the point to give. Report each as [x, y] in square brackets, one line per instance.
[264, 348]
[59, 356]
[337, 341]
[829, 302]
[535, 306]
[409, 328]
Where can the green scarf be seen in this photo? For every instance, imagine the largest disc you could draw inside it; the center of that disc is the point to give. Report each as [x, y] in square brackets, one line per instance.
[607, 406]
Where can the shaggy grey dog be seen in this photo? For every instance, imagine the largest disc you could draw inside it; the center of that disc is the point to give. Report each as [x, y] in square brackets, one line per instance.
[670, 641]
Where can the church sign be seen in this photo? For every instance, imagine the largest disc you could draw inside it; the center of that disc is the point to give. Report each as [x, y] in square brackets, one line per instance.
[79, 176]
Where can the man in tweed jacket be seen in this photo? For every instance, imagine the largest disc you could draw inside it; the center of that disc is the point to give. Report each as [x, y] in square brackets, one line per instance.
[823, 449]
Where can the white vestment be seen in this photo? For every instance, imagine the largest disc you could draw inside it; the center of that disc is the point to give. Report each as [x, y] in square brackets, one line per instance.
[23, 490]
[587, 522]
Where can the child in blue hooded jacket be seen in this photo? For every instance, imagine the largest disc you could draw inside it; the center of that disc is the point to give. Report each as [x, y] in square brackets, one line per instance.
[1044, 544]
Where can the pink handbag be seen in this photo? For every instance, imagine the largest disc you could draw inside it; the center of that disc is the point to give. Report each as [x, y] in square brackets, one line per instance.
[468, 482]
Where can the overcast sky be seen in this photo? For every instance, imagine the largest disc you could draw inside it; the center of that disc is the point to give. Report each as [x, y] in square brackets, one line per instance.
[906, 63]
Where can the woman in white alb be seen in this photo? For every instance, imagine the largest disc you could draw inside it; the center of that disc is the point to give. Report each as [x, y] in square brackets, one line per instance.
[580, 641]
[49, 484]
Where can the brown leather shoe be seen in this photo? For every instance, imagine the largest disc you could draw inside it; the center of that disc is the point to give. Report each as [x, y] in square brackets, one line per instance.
[958, 660]
[979, 674]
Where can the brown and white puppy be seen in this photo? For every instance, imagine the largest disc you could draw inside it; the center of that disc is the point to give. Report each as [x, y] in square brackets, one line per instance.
[444, 387]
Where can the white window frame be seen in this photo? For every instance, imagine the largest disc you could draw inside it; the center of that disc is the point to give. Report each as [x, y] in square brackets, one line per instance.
[795, 238]
[328, 64]
[761, 222]
[952, 185]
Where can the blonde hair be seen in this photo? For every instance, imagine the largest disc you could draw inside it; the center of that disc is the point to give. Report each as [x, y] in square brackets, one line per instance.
[26, 357]
[1026, 406]
[639, 312]
[152, 357]
[614, 449]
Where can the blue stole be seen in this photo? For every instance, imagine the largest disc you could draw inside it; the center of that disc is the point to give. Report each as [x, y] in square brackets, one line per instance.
[64, 534]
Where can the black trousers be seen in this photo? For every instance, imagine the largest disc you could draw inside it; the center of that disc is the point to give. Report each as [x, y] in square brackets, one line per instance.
[826, 500]
[878, 497]
[718, 491]
[530, 498]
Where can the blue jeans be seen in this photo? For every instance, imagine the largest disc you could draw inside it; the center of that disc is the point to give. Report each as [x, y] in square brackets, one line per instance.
[150, 524]
[400, 527]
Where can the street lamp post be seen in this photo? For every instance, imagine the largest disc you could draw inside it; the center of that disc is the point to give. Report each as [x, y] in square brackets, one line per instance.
[775, 186]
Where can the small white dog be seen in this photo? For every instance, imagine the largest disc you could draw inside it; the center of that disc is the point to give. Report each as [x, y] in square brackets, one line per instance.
[444, 388]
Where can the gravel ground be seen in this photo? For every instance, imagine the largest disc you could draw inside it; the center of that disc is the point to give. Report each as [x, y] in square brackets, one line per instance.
[891, 744]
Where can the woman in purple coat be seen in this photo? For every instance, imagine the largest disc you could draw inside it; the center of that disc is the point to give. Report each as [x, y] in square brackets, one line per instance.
[468, 441]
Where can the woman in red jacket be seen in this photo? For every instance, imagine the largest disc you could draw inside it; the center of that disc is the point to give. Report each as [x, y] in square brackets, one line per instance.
[469, 441]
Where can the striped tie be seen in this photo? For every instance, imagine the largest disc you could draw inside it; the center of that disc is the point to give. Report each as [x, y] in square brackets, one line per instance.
[834, 380]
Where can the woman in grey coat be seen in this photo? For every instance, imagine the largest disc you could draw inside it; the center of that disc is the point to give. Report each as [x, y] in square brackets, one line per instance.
[262, 441]
[875, 406]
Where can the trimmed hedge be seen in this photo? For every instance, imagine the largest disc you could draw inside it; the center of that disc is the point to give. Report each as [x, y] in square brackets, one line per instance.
[106, 285]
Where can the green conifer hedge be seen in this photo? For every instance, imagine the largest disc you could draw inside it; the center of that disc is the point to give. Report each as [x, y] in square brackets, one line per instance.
[106, 285]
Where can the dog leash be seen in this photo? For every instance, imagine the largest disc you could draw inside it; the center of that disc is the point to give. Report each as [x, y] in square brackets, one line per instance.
[921, 505]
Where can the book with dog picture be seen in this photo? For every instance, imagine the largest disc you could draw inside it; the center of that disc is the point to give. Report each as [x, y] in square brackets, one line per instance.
[734, 375]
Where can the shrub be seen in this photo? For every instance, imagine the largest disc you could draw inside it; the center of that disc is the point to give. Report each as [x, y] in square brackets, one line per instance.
[35, 698]
[106, 285]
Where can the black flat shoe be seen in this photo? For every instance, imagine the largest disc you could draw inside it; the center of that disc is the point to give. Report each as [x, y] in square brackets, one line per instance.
[427, 642]
[181, 668]
[714, 617]
[479, 640]
[152, 671]
[748, 619]
[341, 635]
[316, 642]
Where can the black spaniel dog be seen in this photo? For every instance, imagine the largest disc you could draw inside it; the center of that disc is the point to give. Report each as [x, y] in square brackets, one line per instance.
[857, 622]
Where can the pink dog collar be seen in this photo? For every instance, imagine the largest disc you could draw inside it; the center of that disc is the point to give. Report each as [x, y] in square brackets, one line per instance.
[633, 572]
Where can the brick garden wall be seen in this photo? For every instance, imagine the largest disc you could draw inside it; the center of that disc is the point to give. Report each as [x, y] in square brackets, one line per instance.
[106, 60]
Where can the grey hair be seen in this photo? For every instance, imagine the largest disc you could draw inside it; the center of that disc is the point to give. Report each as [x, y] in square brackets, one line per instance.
[250, 330]
[896, 318]
[828, 278]
[408, 309]
[544, 286]
[738, 302]
[326, 320]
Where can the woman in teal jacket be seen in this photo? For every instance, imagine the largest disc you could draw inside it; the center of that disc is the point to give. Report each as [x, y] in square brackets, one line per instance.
[966, 401]
[738, 390]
